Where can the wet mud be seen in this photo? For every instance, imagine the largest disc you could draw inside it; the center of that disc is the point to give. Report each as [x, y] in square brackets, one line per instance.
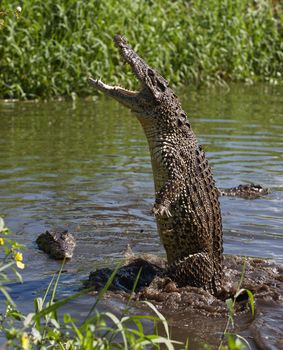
[193, 308]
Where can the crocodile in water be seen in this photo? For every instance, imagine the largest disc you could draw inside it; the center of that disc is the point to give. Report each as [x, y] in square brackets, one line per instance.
[59, 244]
[248, 191]
[186, 207]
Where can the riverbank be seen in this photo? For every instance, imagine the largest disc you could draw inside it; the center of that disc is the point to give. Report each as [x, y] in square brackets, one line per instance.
[52, 48]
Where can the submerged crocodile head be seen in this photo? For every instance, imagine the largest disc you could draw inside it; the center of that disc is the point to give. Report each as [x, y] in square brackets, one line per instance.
[58, 243]
[154, 88]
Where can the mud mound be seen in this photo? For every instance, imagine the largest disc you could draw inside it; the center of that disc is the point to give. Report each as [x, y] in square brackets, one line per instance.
[262, 277]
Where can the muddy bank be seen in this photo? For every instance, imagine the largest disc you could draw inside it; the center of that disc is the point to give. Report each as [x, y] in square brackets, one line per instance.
[195, 313]
[262, 277]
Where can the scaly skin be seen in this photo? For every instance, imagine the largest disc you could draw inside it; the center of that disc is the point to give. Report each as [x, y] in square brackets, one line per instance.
[248, 191]
[186, 207]
[59, 244]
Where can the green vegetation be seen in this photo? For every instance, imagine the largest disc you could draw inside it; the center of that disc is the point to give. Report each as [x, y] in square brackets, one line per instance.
[11, 261]
[54, 45]
[43, 328]
[236, 341]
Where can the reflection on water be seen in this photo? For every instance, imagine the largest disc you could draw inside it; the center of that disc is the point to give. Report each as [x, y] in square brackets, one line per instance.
[86, 166]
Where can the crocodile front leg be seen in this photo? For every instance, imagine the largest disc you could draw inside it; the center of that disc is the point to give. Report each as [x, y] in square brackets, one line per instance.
[167, 195]
[175, 185]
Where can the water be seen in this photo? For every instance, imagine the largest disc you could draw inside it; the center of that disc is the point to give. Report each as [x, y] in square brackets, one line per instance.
[85, 166]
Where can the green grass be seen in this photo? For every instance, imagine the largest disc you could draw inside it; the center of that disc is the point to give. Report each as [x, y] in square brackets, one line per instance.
[44, 329]
[51, 49]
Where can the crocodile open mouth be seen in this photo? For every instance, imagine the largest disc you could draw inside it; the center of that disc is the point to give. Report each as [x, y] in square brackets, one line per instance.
[122, 44]
[107, 88]
[152, 84]
[139, 69]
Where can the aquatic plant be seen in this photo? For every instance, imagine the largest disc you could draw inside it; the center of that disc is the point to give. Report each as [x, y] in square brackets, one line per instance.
[53, 47]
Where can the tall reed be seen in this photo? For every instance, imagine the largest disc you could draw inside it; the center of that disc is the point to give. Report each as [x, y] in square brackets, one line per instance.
[54, 45]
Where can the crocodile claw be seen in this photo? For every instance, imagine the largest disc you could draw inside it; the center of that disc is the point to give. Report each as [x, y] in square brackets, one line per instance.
[161, 210]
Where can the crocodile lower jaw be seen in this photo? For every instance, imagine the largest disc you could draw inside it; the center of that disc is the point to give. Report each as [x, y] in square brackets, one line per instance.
[107, 88]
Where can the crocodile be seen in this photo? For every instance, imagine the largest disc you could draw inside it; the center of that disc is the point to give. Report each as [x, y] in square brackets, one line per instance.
[186, 207]
[248, 191]
[58, 243]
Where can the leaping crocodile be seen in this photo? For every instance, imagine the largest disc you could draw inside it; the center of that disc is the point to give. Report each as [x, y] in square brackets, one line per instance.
[186, 207]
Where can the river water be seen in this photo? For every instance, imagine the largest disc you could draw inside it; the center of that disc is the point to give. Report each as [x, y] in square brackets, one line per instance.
[85, 166]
